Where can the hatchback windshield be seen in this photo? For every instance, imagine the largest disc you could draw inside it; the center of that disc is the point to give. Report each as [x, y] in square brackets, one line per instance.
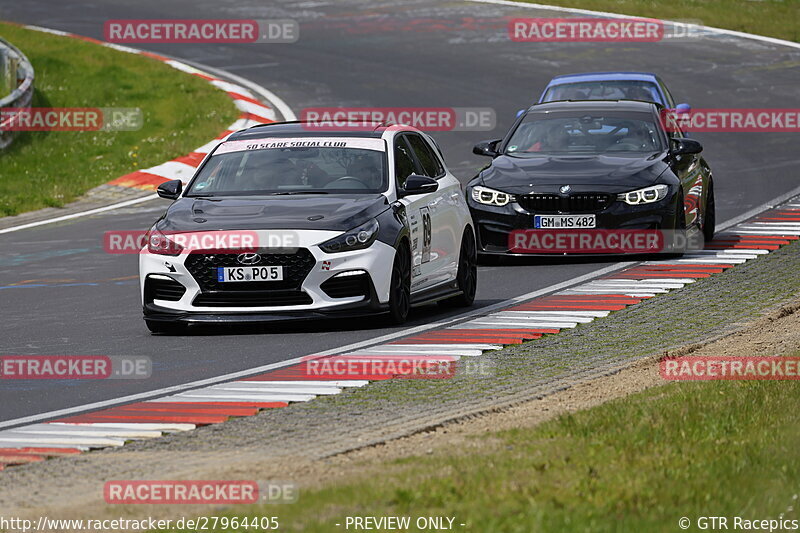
[294, 166]
[541, 133]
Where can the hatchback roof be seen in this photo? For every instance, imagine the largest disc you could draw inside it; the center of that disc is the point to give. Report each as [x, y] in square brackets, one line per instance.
[300, 128]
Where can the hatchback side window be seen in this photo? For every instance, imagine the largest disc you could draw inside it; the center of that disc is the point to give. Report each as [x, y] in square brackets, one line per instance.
[404, 164]
[430, 164]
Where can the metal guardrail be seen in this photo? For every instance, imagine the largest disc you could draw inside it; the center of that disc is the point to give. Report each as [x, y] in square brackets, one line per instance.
[16, 85]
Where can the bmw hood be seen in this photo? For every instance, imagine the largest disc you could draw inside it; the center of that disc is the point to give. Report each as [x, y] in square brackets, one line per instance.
[546, 174]
[337, 212]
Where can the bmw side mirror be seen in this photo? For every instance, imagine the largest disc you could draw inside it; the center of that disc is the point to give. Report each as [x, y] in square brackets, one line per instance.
[684, 146]
[520, 112]
[683, 108]
[488, 148]
[170, 190]
[416, 184]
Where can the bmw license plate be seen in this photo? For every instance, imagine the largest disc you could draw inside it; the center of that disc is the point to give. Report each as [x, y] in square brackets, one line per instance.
[249, 273]
[564, 221]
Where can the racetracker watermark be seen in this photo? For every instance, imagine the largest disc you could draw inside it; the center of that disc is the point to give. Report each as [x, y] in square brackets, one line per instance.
[75, 367]
[189, 492]
[219, 242]
[732, 120]
[202, 31]
[593, 30]
[694, 368]
[423, 118]
[379, 367]
[71, 119]
[601, 241]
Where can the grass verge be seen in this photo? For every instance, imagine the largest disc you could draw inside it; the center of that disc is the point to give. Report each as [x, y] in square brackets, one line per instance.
[635, 464]
[50, 169]
[773, 18]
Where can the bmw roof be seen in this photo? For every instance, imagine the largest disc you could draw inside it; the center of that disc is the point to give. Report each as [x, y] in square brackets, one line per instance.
[595, 105]
[601, 76]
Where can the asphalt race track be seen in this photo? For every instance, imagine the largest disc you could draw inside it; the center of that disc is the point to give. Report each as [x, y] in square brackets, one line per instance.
[61, 294]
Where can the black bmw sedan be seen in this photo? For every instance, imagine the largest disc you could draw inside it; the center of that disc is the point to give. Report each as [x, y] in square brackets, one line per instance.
[614, 166]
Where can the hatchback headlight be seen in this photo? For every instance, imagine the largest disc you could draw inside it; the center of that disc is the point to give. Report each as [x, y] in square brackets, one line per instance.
[647, 195]
[160, 244]
[487, 196]
[361, 237]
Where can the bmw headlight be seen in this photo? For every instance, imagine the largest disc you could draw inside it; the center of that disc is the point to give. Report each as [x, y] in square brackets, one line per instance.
[487, 196]
[647, 195]
[356, 239]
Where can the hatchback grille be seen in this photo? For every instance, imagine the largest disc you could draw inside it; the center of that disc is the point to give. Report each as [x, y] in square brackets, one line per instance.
[273, 298]
[574, 203]
[296, 266]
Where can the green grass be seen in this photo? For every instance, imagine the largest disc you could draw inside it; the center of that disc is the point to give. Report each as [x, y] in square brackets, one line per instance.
[634, 464]
[50, 169]
[773, 18]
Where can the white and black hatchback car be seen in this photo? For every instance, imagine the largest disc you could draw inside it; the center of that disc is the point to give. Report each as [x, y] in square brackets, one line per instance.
[287, 220]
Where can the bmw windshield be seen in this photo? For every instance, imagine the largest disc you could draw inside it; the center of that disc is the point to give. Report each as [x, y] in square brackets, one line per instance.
[586, 134]
[604, 90]
[297, 165]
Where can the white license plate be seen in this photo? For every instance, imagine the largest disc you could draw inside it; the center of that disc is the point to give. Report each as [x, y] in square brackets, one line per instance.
[564, 221]
[249, 273]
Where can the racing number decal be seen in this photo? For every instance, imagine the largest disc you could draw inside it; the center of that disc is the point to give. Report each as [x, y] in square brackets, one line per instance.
[427, 234]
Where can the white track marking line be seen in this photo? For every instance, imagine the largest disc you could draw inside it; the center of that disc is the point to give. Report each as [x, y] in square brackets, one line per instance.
[783, 230]
[321, 383]
[595, 314]
[769, 233]
[713, 261]
[39, 440]
[62, 446]
[436, 349]
[166, 427]
[742, 251]
[50, 429]
[507, 324]
[645, 294]
[521, 316]
[242, 387]
[455, 345]
[378, 355]
[246, 397]
[723, 257]
[685, 281]
[633, 284]
[48, 30]
[212, 399]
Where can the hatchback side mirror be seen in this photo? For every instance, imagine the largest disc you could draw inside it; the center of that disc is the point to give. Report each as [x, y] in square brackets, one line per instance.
[488, 148]
[170, 190]
[416, 184]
